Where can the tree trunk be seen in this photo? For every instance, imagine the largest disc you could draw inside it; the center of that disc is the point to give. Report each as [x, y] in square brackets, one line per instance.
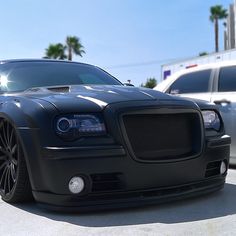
[70, 54]
[225, 40]
[216, 35]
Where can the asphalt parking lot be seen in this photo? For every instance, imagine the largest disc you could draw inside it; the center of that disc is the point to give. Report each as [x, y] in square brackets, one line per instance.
[214, 214]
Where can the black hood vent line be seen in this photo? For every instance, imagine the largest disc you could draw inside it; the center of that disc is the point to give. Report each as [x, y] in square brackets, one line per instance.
[59, 89]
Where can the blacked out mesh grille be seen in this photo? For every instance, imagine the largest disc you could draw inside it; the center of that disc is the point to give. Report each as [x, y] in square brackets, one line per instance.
[107, 182]
[163, 136]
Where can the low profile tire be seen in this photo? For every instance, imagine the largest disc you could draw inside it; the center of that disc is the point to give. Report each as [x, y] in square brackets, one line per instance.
[14, 180]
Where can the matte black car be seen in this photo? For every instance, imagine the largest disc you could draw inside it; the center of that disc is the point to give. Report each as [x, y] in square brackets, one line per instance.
[76, 138]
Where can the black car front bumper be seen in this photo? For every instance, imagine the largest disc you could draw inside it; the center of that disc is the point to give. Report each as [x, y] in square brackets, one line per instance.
[126, 199]
[173, 180]
[113, 177]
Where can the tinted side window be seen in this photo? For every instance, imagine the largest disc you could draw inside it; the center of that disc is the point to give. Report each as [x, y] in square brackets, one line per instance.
[196, 82]
[227, 79]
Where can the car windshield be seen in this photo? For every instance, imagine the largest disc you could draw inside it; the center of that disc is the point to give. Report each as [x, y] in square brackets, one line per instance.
[20, 76]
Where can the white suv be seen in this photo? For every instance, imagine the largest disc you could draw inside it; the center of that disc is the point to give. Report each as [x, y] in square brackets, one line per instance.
[215, 83]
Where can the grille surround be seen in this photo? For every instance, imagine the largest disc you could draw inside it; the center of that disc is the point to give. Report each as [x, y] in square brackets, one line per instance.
[165, 111]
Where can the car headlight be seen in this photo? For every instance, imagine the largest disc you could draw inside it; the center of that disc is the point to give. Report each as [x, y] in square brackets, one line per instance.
[211, 120]
[71, 127]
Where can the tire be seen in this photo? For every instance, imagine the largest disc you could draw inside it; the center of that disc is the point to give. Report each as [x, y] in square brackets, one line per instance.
[14, 180]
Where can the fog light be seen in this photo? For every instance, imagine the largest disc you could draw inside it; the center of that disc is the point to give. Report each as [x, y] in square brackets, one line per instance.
[76, 185]
[223, 168]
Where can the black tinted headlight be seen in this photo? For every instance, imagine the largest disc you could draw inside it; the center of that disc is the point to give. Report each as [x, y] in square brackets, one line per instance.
[211, 120]
[71, 127]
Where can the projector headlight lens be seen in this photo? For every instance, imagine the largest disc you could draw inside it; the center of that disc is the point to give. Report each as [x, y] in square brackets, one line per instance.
[211, 120]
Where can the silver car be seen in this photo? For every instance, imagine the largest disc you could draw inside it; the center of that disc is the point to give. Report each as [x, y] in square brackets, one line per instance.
[215, 83]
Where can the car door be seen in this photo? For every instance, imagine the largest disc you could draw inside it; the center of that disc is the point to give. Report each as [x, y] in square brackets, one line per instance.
[196, 84]
[225, 98]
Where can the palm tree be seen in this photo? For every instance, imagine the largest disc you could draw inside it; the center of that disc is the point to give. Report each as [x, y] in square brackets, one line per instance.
[56, 51]
[74, 45]
[225, 36]
[217, 13]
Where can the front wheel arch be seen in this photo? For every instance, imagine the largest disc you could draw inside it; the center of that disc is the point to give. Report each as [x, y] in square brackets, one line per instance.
[14, 179]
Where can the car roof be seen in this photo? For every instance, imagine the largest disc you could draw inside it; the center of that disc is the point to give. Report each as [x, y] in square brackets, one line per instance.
[165, 83]
[41, 60]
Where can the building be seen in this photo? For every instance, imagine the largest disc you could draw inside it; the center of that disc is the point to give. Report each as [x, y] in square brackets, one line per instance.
[229, 34]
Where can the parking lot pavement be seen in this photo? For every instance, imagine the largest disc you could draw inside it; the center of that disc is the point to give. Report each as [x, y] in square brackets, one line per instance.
[214, 214]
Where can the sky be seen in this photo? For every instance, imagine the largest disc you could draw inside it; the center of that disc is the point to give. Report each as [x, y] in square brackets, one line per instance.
[131, 39]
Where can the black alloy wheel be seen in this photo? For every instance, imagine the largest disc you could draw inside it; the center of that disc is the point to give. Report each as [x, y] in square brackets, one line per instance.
[14, 180]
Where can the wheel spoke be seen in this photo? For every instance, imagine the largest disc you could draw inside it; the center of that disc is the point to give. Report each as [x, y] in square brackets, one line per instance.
[9, 179]
[2, 157]
[4, 134]
[2, 178]
[13, 150]
[1, 124]
[3, 143]
[8, 134]
[13, 173]
[3, 164]
[11, 136]
[5, 181]
[2, 150]
[14, 161]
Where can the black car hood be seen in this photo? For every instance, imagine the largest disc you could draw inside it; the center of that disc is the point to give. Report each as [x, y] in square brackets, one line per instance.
[92, 97]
